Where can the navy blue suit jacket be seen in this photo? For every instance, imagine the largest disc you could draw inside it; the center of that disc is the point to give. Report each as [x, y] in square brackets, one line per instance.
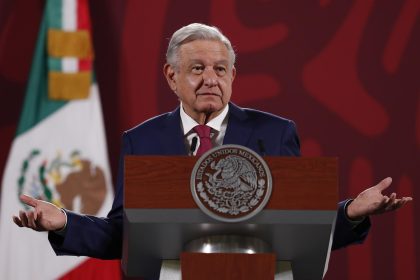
[102, 237]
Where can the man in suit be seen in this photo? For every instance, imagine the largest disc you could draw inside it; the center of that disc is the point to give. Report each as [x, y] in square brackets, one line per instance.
[200, 71]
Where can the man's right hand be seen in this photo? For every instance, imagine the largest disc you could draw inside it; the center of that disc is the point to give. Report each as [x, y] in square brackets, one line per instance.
[44, 216]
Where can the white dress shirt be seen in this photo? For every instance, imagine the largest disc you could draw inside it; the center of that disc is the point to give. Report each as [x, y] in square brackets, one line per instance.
[218, 129]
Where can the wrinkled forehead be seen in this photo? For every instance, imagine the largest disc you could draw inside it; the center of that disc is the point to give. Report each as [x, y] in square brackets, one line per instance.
[205, 51]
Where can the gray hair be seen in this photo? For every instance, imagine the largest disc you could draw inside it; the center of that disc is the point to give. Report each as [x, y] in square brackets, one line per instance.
[192, 32]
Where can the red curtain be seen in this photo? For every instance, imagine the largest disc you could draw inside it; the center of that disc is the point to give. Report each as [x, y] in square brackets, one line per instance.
[345, 71]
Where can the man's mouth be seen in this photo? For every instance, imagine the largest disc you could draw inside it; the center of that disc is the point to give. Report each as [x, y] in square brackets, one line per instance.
[208, 94]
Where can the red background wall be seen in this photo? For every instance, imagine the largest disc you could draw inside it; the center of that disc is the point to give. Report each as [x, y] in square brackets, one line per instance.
[346, 71]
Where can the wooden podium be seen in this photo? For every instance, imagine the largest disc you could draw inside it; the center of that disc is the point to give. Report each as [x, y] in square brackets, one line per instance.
[161, 217]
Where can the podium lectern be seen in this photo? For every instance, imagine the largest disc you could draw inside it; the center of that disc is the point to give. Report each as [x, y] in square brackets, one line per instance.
[161, 217]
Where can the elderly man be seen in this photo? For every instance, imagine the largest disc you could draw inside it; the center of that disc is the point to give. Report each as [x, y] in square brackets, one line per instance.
[200, 71]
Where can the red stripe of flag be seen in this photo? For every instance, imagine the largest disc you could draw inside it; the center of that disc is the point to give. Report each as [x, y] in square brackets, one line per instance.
[85, 65]
[83, 23]
[95, 269]
[83, 20]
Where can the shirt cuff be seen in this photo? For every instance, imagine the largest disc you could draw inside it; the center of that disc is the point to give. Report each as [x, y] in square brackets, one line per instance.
[354, 223]
[62, 231]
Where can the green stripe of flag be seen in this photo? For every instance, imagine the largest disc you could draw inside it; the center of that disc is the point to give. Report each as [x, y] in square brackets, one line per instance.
[37, 106]
[55, 14]
[54, 64]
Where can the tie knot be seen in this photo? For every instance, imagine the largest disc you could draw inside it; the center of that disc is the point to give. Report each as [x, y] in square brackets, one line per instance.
[202, 130]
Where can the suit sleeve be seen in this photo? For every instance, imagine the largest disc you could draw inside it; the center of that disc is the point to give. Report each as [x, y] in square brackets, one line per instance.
[91, 236]
[347, 232]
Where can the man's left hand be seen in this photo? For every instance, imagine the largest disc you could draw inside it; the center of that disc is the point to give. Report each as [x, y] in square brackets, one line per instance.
[372, 201]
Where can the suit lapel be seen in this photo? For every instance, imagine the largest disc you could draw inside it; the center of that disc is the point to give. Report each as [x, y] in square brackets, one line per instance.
[173, 137]
[238, 128]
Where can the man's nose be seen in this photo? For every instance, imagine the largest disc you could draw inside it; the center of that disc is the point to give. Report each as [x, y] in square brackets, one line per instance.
[210, 77]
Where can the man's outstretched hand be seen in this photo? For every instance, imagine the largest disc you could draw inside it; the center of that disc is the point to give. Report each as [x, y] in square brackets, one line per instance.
[372, 201]
[44, 216]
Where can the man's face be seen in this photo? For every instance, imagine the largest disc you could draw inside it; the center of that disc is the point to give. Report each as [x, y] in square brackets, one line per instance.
[202, 79]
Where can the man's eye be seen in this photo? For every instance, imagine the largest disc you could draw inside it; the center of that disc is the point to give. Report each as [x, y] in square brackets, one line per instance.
[221, 70]
[197, 69]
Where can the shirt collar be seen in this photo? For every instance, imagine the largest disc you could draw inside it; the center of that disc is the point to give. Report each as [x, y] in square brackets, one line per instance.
[189, 123]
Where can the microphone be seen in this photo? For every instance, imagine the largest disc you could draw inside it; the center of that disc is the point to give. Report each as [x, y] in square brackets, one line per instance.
[193, 145]
[261, 146]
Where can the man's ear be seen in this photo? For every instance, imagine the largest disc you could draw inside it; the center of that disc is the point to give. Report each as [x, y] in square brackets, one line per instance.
[233, 73]
[169, 72]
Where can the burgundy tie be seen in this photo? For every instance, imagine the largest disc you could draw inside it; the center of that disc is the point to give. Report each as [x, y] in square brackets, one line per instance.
[203, 132]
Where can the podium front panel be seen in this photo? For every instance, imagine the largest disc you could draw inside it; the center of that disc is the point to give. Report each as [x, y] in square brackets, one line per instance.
[160, 220]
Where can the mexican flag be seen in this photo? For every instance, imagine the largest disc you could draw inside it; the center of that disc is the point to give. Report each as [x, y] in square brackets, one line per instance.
[59, 153]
